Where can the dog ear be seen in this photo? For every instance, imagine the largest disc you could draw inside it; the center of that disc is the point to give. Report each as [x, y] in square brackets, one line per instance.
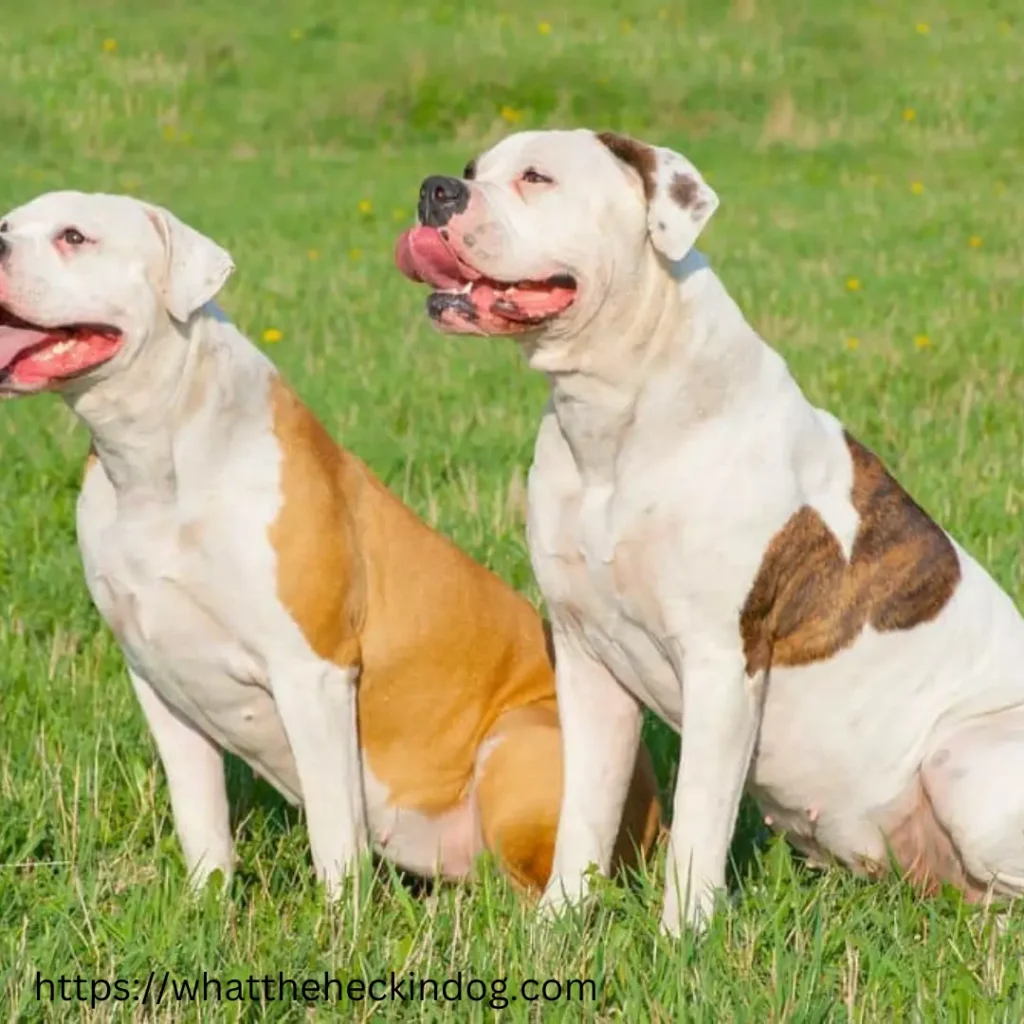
[679, 201]
[195, 269]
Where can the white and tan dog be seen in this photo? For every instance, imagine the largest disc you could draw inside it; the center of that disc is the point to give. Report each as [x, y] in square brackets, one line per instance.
[271, 597]
[714, 547]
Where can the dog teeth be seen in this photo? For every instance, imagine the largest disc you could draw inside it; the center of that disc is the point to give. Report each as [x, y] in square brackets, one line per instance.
[56, 350]
[466, 288]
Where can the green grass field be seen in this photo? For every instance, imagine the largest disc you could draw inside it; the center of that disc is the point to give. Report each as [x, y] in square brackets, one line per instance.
[868, 158]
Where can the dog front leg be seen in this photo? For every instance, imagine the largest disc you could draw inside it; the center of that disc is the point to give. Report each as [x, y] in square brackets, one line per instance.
[721, 711]
[317, 704]
[600, 723]
[194, 766]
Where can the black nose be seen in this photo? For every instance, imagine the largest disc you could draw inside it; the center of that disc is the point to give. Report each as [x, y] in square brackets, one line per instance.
[440, 199]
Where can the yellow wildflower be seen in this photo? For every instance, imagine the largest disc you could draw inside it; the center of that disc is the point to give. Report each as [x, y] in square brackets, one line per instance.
[917, 188]
[272, 334]
[975, 241]
[922, 27]
[922, 341]
[853, 284]
[511, 115]
[909, 114]
[109, 45]
[313, 254]
[365, 206]
[544, 28]
[853, 343]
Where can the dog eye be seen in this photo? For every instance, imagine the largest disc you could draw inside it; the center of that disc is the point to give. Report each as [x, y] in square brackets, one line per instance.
[534, 177]
[72, 236]
[5, 227]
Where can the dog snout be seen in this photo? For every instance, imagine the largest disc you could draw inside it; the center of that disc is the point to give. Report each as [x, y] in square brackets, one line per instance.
[440, 199]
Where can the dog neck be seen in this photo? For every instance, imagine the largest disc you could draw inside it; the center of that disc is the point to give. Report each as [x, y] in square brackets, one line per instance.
[677, 353]
[136, 416]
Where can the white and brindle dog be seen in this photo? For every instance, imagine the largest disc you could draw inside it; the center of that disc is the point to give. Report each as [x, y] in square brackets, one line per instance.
[271, 597]
[714, 547]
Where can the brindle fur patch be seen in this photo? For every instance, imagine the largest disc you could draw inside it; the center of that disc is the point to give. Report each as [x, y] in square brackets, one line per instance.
[808, 602]
[637, 155]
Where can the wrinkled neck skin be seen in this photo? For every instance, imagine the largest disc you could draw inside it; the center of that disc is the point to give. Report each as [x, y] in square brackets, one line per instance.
[672, 350]
[136, 414]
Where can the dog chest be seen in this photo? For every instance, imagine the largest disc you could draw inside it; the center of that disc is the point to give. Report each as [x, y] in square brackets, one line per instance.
[593, 579]
[165, 599]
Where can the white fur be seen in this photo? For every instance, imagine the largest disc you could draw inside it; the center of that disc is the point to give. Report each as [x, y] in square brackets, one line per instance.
[196, 267]
[675, 446]
[673, 228]
[173, 530]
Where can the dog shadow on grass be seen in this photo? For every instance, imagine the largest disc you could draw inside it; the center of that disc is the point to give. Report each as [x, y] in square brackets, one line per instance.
[257, 809]
[261, 817]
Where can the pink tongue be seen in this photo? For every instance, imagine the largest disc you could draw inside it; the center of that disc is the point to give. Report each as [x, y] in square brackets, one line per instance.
[422, 255]
[15, 340]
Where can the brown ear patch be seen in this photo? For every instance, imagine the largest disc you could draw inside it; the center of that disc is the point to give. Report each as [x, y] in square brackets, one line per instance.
[469, 172]
[639, 156]
[684, 191]
[808, 602]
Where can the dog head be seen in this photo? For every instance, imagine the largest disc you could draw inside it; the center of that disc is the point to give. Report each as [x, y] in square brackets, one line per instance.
[86, 280]
[540, 229]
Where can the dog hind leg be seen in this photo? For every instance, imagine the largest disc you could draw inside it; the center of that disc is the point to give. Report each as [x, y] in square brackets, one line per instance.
[975, 783]
[519, 793]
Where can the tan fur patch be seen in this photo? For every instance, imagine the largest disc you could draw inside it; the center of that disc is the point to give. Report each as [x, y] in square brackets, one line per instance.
[447, 650]
[637, 155]
[519, 794]
[90, 460]
[318, 578]
[808, 602]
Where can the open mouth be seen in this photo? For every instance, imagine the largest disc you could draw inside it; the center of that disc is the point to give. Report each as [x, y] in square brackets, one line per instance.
[33, 357]
[465, 301]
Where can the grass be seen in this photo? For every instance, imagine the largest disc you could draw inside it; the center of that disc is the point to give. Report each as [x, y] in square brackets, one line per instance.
[868, 158]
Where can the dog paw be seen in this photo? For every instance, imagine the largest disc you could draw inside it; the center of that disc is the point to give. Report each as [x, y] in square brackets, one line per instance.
[561, 895]
[695, 919]
[210, 877]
